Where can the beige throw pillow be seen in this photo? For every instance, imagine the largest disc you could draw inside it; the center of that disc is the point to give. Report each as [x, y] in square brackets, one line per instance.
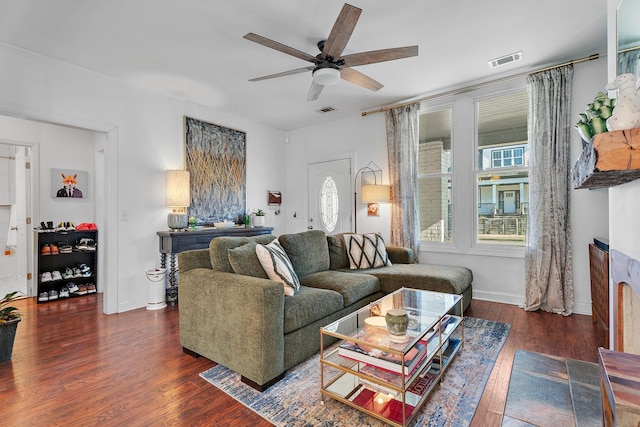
[278, 267]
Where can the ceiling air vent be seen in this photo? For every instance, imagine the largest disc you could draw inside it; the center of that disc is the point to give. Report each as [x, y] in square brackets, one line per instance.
[326, 110]
[513, 57]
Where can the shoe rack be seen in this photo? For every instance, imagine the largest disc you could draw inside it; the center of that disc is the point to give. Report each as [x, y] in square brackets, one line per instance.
[80, 257]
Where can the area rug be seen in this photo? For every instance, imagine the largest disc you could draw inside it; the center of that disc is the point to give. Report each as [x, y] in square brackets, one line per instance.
[295, 400]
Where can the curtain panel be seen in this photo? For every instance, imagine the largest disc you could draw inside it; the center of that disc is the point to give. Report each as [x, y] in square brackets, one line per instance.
[402, 148]
[548, 257]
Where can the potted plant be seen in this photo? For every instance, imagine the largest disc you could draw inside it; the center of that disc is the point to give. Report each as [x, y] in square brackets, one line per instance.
[258, 217]
[9, 318]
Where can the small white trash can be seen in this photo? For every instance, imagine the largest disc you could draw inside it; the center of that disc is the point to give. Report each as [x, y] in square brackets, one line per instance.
[157, 292]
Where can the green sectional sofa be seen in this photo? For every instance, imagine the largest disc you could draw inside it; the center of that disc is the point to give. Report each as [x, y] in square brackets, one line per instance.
[231, 313]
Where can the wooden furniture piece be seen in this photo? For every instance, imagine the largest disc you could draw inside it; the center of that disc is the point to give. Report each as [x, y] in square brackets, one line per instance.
[60, 261]
[599, 274]
[620, 386]
[611, 159]
[173, 242]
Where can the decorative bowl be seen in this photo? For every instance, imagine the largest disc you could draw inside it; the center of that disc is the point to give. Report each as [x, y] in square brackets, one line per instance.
[223, 224]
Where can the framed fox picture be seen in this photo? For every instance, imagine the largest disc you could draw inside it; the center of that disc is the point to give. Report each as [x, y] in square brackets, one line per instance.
[68, 184]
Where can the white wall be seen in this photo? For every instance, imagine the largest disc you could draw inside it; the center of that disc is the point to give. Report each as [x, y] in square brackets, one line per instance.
[496, 278]
[144, 134]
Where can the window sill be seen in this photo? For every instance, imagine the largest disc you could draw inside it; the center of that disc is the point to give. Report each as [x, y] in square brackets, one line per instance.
[481, 250]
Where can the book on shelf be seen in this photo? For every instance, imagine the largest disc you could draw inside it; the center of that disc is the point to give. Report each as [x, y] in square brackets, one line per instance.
[385, 360]
[382, 404]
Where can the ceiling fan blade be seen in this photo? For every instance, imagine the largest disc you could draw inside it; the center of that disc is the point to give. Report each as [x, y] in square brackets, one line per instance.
[284, 73]
[357, 78]
[314, 91]
[381, 55]
[341, 31]
[280, 47]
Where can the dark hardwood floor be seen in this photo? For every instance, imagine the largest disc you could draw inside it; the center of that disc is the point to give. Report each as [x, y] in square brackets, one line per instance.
[73, 365]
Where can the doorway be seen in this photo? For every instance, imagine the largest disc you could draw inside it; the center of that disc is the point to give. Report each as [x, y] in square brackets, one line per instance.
[329, 193]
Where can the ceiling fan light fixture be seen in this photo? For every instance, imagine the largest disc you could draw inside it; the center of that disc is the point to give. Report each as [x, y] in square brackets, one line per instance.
[326, 76]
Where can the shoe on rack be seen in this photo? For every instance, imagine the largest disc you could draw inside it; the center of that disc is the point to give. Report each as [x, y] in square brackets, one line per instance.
[55, 275]
[68, 273]
[70, 226]
[87, 273]
[54, 249]
[77, 272]
[83, 226]
[91, 245]
[43, 296]
[73, 288]
[53, 294]
[64, 292]
[60, 227]
[46, 249]
[84, 268]
[64, 248]
[50, 226]
[46, 277]
[82, 290]
[42, 228]
[92, 226]
[91, 288]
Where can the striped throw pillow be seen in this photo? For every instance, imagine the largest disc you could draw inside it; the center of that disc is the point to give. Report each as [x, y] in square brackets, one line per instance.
[366, 251]
[277, 265]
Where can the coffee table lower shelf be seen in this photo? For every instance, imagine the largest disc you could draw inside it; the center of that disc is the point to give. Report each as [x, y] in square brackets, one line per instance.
[377, 397]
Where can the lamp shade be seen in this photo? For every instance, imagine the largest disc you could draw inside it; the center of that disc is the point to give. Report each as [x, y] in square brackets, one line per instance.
[376, 194]
[178, 193]
[326, 76]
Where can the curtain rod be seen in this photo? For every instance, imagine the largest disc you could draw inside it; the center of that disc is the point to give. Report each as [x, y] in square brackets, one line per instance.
[479, 85]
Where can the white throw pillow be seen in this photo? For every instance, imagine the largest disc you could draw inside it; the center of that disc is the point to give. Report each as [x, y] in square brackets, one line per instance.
[366, 251]
[278, 266]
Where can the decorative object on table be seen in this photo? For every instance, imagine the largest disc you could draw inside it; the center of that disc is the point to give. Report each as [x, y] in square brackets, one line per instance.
[223, 225]
[178, 198]
[193, 221]
[216, 158]
[375, 328]
[247, 221]
[626, 113]
[397, 321]
[67, 184]
[372, 193]
[258, 218]
[9, 318]
[593, 120]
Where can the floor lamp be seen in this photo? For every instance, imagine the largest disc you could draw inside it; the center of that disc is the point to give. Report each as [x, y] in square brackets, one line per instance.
[376, 193]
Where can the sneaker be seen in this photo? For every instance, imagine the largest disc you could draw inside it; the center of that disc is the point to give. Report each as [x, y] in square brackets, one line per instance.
[60, 227]
[82, 227]
[73, 288]
[68, 273]
[77, 272]
[91, 288]
[55, 275]
[54, 249]
[44, 296]
[82, 290]
[50, 226]
[91, 245]
[46, 249]
[45, 277]
[42, 228]
[64, 248]
[70, 226]
[53, 294]
[64, 292]
[87, 273]
[84, 268]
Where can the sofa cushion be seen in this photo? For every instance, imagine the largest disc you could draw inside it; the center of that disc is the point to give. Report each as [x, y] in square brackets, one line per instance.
[366, 251]
[277, 265]
[309, 305]
[244, 260]
[338, 257]
[308, 251]
[430, 277]
[352, 286]
[219, 248]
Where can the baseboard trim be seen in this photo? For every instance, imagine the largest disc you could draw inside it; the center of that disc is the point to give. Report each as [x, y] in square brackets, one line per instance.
[578, 307]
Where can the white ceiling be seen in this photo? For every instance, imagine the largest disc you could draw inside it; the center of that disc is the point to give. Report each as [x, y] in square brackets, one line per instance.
[194, 49]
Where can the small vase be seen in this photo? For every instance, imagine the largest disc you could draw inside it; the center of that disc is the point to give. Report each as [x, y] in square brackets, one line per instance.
[397, 322]
[257, 221]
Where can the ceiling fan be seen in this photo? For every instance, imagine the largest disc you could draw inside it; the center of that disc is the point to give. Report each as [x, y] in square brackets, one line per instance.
[329, 66]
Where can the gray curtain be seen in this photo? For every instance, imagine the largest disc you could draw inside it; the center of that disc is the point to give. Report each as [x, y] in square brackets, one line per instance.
[628, 62]
[549, 278]
[402, 148]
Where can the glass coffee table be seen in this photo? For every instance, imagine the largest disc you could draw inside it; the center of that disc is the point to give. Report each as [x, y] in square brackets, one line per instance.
[384, 378]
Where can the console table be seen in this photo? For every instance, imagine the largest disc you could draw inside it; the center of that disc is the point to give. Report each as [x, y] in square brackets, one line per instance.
[173, 242]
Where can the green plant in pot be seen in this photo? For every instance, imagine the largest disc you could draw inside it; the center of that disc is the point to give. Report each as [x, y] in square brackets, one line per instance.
[593, 120]
[258, 218]
[9, 318]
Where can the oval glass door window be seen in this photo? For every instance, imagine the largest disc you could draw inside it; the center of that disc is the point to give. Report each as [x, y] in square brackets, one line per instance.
[329, 204]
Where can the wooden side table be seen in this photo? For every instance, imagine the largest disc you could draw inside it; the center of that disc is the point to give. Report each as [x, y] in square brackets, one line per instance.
[620, 386]
[174, 242]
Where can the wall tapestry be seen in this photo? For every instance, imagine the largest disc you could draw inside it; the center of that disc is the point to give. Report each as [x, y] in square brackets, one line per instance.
[69, 183]
[216, 161]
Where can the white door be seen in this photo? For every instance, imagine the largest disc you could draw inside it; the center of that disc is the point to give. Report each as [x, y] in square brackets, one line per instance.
[15, 256]
[509, 202]
[330, 196]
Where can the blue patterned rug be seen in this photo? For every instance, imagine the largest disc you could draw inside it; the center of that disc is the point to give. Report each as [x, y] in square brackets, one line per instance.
[295, 400]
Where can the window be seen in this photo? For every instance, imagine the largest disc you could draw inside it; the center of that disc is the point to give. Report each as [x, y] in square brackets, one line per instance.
[329, 204]
[503, 181]
[473, 170]
[434, 181]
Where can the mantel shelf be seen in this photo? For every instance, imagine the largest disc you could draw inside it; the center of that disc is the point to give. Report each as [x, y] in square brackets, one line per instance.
[611, 159]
